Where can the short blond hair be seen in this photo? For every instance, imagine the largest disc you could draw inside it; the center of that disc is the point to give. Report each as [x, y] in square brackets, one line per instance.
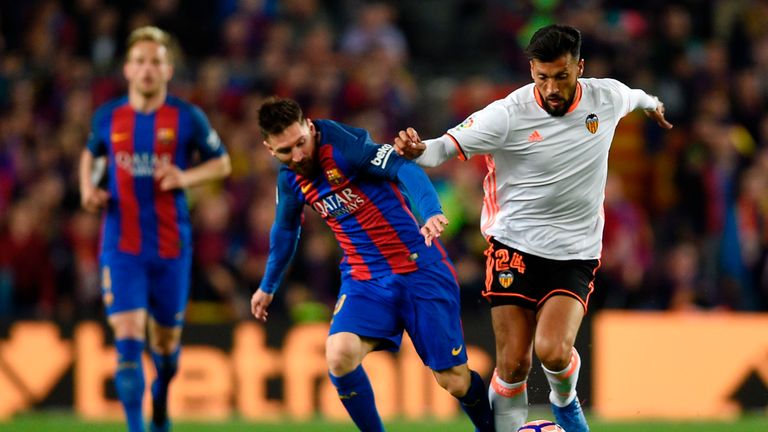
[152, 34]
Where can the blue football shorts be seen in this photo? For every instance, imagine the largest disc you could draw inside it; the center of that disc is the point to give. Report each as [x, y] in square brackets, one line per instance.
[159, 285]
[425, 303]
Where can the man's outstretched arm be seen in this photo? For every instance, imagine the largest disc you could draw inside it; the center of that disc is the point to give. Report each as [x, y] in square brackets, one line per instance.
[424, 196]
[430, 153]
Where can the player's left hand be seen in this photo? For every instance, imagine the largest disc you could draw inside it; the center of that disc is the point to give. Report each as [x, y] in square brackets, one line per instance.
[433, 228]
[658, 115]
[259, 304]
[170, 177]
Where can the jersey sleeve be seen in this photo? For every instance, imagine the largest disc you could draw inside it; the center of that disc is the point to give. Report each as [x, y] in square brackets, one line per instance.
[383, 162]
[365, 156]
[96, 143]
[204, 136]
[482, 132]
[414, 181]
[289, 206]
[627, 99]
[284, 235]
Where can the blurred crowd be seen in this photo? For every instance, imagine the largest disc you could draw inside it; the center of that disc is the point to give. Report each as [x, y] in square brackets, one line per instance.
[686, 210]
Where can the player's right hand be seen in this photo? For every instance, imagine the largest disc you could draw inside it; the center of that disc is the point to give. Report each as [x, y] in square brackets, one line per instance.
[408, 144]
[93, 199]
[658, 115]
[259, 304]
[433, 228]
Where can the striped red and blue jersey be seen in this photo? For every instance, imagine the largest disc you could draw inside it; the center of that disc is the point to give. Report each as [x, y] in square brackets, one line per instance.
[356, 193]
[140, 218]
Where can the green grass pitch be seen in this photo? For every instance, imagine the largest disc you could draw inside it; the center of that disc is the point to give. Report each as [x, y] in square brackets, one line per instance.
[63, 422]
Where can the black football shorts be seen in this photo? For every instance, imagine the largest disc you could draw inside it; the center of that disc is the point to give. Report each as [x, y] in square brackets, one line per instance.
[514, 277]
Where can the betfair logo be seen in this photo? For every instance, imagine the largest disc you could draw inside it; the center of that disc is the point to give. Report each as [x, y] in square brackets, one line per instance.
[39, 367]
[457, 351]
[34, 358]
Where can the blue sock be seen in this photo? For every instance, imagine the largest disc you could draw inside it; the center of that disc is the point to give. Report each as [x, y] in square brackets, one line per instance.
[356, 395]
[475, 403]
[166, 366]
[129, 381]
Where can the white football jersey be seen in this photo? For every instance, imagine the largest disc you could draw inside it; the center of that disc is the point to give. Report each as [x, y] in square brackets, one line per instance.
[546, 175]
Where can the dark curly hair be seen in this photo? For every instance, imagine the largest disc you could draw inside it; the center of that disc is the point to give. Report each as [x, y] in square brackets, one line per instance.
[276, 114]
[554, 41]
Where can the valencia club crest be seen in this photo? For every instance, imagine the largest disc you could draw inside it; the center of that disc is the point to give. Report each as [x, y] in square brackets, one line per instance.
[506, 278]
[592, 123]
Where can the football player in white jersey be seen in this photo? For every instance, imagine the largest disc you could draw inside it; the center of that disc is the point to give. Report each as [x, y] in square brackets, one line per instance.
[546, 147]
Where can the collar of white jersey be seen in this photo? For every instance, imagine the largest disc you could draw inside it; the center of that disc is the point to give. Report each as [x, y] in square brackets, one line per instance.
[576, 99]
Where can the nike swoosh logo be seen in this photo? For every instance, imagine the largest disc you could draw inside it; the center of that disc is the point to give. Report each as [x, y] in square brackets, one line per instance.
[305, 188]
[457, 351]
[339, 304]
[119, 136]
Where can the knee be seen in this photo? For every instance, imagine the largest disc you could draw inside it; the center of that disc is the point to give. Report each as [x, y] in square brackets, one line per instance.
[164, 340]
[129, 325]
[129, 329]
[513, 368]
[166, 365]
[455, 381]
[554, 354]
[342, 356]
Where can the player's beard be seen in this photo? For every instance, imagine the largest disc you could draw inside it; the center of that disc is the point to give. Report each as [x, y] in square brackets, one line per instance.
[305, 168]
[560, 110]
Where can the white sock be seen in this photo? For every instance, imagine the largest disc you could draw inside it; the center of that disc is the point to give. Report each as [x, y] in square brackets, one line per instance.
[563, 383]
[509, 403]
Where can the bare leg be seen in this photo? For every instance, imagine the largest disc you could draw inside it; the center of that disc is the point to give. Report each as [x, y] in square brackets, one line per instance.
[513, 327]
[558, 323]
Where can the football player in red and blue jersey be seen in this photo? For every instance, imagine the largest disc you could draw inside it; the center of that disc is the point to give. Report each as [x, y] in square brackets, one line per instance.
[395, 275]
[148, 138]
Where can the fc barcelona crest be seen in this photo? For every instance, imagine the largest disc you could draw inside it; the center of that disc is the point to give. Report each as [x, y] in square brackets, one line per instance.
[592, 123]
[506, 278]
[166, 135]
[334, 176]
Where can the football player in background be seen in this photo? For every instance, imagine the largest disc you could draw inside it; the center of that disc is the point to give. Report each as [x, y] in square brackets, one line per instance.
[395, 275]
[546, 146]
[148, 138]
